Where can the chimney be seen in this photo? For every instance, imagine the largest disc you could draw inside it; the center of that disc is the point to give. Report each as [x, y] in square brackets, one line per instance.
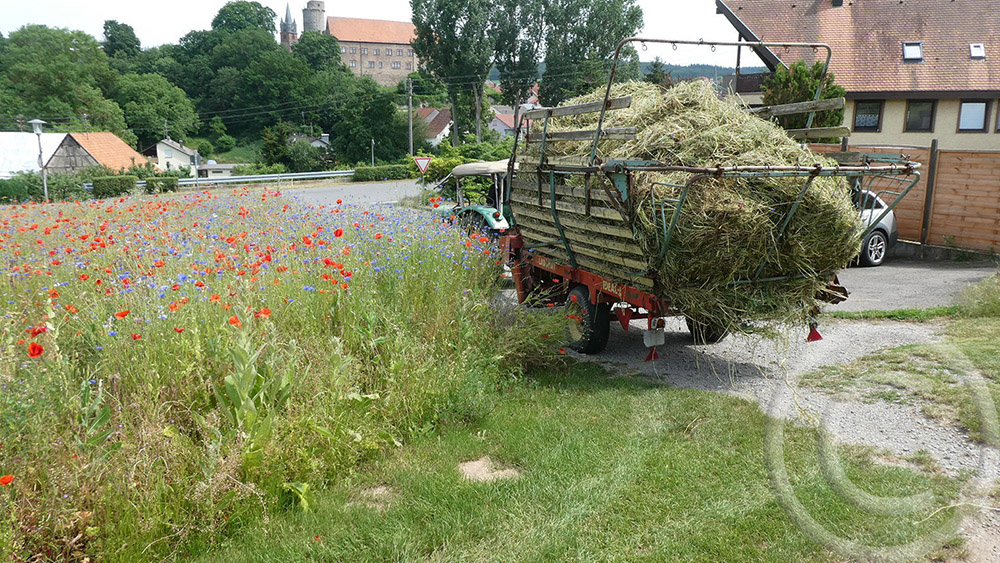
[838, 3]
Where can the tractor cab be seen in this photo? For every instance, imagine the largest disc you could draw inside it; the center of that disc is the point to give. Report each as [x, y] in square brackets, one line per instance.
[480, 196]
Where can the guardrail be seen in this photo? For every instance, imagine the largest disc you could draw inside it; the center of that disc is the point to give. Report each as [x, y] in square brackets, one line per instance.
[252, 179]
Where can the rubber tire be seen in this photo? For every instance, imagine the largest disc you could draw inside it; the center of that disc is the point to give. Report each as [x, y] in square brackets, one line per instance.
[706, 333]
[596, 323]
[874, 249]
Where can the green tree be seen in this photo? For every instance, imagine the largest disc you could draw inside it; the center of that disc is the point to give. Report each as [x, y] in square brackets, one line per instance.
[455, 46]
[319, 50]
[240, 14]
[659, 75]
[151, 102]
[120, 40]
[798, 83]
[580, 37]
[65, 74]
[274, 148]
[519, 35]
[242, 48]
[368, 112]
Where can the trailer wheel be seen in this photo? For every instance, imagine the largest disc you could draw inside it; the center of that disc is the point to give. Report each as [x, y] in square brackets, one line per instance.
[706, 332]
[589, 323]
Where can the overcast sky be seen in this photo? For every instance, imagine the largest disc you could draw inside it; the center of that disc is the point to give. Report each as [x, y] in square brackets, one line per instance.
[165, 22]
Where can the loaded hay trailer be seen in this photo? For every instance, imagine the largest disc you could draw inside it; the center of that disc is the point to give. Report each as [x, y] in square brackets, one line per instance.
[573, 239]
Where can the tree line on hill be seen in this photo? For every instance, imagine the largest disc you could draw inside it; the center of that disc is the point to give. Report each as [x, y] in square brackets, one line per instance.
[235, 83]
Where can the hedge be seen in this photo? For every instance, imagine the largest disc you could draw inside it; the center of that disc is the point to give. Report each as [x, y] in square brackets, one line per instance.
[161, 184]
[377, 173]
[113, 186]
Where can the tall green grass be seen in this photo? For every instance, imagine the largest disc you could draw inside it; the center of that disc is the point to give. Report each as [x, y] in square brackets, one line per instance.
[262, 357]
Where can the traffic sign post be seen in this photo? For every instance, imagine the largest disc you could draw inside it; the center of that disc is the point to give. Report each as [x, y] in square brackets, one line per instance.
[422, 162]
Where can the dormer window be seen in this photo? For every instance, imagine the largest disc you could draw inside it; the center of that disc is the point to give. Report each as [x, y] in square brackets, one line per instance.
[977, 51]
[913, 51]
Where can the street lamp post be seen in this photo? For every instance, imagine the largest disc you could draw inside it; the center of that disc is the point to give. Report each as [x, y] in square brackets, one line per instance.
[36, 124]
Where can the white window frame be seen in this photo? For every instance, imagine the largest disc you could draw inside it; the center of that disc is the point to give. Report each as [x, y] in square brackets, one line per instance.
[913, 51]
[977, 51]
[364, 50]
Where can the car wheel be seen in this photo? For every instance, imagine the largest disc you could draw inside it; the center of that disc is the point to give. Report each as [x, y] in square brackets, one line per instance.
[874, 249]
[589, 324]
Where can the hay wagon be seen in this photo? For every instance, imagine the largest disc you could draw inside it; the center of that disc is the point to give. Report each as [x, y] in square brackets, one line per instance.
[571, 243]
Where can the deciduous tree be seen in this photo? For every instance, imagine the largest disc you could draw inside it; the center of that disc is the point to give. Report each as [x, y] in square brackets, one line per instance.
[238, 15]
[454, 45]
[798, 83]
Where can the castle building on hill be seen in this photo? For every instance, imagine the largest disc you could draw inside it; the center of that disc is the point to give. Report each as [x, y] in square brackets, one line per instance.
[377, 48]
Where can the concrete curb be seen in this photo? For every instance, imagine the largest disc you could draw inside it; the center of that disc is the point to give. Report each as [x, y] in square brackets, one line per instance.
[917, 251]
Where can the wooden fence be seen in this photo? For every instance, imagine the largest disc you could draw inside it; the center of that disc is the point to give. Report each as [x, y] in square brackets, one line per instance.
[956, 203]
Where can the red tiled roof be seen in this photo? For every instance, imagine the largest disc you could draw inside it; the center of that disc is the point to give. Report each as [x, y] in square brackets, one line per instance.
[439, 123]
[867, 35]
[506, 118]
[109, 150]
[371, 31]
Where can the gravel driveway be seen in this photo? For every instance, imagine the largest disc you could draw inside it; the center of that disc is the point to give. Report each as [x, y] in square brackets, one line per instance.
[909, 284]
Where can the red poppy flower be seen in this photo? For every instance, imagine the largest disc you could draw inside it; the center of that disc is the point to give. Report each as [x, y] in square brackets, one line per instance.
[562, 350]
[84, 277]
[214, 298]
[35, 350]
[378, 236]
[122, 314]
[136, 336]
[37, 330]
[339, 201]
[6, 480]
[178, 330]
[175, 287]
[235, 321]
[265, 313]
[338, 233]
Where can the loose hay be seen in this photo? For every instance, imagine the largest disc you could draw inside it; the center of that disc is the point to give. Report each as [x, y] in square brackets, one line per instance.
[728, 226]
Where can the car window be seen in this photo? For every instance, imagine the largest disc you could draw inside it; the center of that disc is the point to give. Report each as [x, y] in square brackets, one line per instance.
[870, 202]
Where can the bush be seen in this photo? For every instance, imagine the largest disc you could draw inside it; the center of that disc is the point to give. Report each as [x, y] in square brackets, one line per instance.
[378, 173]
[259, 169]
[27, 186]
[161, 184]
[113, 186]
[225, 143]
[204, 147]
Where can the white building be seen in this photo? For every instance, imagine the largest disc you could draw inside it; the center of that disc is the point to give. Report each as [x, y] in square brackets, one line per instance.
[171, 155]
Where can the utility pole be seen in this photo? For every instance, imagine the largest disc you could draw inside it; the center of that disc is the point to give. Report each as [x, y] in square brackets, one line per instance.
[166, 132]
[373, 152]
[409, 104]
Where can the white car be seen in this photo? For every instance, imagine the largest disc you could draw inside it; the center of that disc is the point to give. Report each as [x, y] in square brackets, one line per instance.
[885, 234]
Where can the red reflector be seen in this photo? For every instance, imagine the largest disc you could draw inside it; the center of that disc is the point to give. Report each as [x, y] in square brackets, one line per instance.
[814, 336]
[652, 355]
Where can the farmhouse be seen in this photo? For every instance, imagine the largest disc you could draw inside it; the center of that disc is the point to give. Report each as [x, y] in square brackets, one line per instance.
[65, 152]
[914, 70]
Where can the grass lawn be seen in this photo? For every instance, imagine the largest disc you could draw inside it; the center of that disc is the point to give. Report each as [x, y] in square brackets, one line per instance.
[611, 469]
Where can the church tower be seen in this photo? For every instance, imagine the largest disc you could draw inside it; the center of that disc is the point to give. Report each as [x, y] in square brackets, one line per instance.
[314, 16]
[289, 30]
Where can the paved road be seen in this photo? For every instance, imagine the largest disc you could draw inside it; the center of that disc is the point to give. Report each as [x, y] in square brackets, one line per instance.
[380, 192]
[906, 284]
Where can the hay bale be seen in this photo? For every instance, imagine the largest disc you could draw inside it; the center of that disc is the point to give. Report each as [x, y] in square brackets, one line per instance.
[728, 227]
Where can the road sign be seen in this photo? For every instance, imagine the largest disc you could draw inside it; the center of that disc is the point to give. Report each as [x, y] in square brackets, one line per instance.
[422, 162]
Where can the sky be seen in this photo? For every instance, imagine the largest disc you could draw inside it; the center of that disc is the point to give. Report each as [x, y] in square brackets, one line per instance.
[673, 19]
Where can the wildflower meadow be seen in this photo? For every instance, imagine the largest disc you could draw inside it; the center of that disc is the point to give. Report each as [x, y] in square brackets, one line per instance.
[174, 368]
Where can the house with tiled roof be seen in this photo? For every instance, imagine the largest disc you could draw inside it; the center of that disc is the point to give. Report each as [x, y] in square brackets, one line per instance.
[437, 122]
[377, 48]
[914, 70]
[173, 155]
[65, 152]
